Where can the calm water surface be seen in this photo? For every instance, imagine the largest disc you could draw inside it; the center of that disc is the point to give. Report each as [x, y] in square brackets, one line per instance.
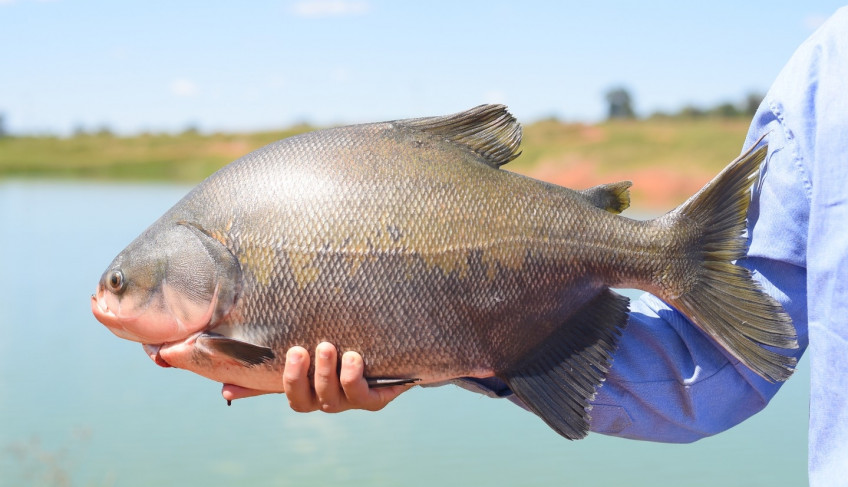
[78, 406]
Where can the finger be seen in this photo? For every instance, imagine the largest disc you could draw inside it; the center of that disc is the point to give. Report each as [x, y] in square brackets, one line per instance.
[356, 389]
[231, 392]
[353, 381]
[296, 383]
[327, 386]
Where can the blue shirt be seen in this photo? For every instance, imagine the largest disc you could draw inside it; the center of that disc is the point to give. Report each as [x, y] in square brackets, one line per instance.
[669, 382]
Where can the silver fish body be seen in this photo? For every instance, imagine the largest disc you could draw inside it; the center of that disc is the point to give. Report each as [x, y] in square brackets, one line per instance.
[404, 241]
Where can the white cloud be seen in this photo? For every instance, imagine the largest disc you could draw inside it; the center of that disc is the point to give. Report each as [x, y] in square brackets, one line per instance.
[10, 2]
[814, 21]
[183, 87]
[329, 8]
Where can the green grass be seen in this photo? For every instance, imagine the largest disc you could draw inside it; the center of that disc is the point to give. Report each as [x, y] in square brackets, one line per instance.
[611, 148]
[708, 144]
[666, 159]
[185, 158]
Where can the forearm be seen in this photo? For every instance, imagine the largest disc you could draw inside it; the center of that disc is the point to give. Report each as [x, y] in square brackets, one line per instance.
[669, 382]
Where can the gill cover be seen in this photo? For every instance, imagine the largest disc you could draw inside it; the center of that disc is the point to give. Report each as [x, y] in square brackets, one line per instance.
[171, 282]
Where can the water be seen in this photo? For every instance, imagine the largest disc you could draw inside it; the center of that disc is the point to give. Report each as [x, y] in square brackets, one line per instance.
[79, 406]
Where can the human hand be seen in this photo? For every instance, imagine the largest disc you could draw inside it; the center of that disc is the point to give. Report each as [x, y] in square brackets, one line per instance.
[331, 392]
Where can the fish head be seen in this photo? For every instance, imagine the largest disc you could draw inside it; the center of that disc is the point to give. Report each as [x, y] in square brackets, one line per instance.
[174, 280]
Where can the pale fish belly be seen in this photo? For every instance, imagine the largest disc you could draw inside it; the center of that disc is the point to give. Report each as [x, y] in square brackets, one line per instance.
[193, 356]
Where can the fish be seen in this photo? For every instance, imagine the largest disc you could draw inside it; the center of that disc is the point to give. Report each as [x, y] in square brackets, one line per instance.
[407, 242]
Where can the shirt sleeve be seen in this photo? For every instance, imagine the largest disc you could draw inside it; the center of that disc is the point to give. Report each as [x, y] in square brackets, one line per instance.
[810, 103]
[672, 383]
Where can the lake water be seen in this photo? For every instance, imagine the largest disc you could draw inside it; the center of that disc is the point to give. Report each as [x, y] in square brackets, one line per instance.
[78, 406]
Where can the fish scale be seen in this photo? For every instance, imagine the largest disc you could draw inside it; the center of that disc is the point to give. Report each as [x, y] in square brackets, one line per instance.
[405, 242]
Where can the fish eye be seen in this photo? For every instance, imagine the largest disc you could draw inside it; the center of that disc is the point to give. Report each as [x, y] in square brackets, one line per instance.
[115, 281]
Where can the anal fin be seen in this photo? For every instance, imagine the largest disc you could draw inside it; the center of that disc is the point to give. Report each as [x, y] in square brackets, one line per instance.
[245, 353]
[559, 378]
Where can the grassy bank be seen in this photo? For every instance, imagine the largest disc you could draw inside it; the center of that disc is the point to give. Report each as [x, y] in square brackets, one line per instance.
[667, 159]
[187, 157]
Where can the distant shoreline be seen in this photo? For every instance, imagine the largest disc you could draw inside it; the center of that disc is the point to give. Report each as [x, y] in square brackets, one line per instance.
[667, 159]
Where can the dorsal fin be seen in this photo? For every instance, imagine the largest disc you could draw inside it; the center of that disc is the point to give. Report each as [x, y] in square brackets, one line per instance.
[488, 130]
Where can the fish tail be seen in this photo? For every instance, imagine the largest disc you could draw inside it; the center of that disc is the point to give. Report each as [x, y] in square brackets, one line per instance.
[717, 295]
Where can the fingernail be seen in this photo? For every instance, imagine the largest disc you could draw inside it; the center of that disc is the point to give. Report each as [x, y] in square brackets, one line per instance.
[350, 359]
[293, 358]
[324, 353]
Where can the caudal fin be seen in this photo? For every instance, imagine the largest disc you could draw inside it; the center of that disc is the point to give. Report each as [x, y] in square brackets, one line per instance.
[721, 298]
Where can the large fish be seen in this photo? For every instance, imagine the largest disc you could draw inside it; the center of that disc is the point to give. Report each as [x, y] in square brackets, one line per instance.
[404, 241]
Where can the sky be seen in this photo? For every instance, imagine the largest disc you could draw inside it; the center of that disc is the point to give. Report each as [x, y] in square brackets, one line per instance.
[136, 66]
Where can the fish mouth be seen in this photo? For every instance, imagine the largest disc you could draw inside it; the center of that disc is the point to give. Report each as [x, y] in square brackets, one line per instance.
[151, 320]
[116, 324]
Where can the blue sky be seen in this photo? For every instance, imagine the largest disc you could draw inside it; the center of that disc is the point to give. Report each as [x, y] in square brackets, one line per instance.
[165, 65]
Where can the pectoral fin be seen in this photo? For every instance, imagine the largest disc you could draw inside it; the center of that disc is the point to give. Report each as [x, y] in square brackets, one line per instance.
[384, 382]
[558, 379]
[246, 354]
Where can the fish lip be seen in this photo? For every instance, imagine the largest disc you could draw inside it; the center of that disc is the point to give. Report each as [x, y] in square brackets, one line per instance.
[99, 306]
[102, 312]
[108, 318]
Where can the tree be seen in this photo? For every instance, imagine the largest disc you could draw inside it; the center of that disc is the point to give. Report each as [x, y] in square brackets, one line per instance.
[691, 111]
[752, 102]
[105, 131]
[620, 104]
[191, 128]
[3, 132]
[725, 110]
